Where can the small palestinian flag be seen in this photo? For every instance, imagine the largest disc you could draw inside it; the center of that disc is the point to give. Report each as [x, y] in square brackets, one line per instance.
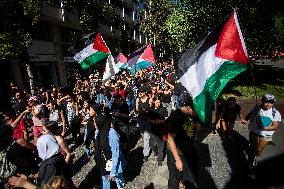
[121, 61]
[141, 59]
[206, 69]
[93, 53]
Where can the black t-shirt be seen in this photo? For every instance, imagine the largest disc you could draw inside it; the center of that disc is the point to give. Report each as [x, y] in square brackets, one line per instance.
[123, 109]
[166, 98]
[179, 123]
[90, 128]
[160, 113]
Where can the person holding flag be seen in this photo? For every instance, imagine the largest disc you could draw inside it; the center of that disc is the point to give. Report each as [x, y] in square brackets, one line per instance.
[182, 154]
[204, 71]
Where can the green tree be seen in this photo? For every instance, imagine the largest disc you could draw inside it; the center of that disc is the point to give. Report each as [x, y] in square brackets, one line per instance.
[17, 18]
[154, 23]
[180, 26]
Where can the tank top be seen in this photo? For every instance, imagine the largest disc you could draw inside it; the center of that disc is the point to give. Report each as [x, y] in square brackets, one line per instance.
[143, 107]
[166, 98]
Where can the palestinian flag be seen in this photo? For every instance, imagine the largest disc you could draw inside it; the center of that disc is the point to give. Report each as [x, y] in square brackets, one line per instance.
[206, 69]
[141, 59]
[93, 53]
[111, 68]
[121, 61]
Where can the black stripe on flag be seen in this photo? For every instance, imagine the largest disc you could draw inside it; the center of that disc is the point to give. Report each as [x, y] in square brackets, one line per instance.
[191, 56]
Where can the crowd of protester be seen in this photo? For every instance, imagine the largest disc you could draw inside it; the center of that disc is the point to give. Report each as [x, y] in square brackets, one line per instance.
[100, 111]
[35, 126]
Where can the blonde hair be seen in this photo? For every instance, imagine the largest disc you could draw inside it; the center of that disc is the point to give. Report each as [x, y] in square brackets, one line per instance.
[58, 182]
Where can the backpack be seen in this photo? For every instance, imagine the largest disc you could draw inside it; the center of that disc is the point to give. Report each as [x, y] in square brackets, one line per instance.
[7, 169]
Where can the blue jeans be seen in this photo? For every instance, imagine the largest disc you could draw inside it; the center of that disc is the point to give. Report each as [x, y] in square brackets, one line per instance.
[131, 103]
[177, 101]
[100, 99]
[119, 179]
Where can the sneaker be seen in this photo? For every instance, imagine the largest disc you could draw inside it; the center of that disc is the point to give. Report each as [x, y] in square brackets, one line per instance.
[145, 159]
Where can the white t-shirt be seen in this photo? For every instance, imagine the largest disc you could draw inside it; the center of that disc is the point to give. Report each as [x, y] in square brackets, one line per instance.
[265, 118]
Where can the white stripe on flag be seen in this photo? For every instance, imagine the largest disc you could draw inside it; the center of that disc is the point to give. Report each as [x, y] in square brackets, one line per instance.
[195, 78]
[89, 50]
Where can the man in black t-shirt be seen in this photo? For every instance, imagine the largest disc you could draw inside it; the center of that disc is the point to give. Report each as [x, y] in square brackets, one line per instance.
[19, 105]
[157, 115]
[182, 155]
[121, 113]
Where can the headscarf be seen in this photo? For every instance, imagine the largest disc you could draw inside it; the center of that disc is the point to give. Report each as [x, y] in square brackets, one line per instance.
[47, 146]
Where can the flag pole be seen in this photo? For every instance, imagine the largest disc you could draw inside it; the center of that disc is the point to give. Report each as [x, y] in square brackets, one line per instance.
[250, 63]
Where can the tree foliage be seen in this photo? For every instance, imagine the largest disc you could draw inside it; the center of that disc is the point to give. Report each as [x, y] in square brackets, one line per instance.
[180, 26]
[15, 25]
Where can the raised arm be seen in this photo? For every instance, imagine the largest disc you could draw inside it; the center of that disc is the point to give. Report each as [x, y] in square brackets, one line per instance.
[16, 122]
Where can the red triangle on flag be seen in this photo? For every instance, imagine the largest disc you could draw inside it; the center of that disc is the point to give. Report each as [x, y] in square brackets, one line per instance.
[122, 58]
[148, 55]
[100, 45]
[229, 45]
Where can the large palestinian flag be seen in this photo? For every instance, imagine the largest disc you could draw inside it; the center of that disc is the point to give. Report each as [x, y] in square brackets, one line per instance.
[141, 59]
[206, 69]
[93, 53]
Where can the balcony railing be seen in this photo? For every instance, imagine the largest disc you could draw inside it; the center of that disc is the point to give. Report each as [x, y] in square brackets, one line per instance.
[41, 47]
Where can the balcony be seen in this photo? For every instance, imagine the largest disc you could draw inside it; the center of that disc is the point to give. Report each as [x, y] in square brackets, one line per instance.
[52, 12]
[41, 47]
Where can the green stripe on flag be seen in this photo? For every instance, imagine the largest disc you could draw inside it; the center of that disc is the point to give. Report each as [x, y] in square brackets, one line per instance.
[203, 103]
[140, 66]
[92, 59]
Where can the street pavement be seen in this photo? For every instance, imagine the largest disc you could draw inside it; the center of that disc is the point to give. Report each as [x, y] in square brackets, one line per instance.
[223, 164]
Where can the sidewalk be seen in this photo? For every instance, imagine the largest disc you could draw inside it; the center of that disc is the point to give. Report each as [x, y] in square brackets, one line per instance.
[224, 164]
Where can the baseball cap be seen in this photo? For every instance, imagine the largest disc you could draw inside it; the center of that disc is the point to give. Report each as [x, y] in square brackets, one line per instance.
[268, 97]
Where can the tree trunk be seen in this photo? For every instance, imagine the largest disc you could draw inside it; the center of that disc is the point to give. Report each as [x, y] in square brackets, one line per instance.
[31, 77]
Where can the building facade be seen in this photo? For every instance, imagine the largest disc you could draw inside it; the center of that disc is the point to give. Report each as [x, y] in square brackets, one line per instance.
[55, 32]
[128, 34]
